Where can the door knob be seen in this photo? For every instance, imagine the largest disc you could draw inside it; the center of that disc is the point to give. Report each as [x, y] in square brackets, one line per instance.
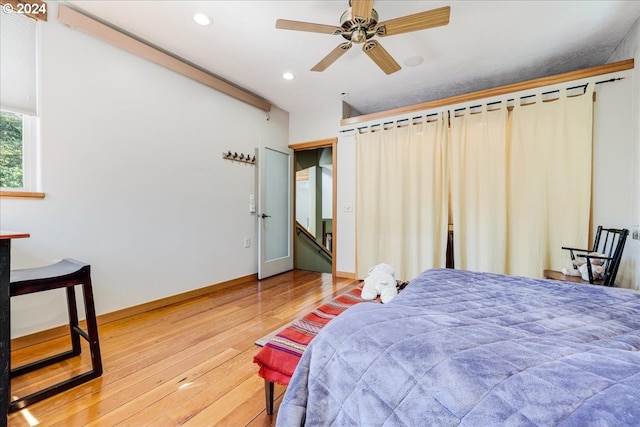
[265, 216]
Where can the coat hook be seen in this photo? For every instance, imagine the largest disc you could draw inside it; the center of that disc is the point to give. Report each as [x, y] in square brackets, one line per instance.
[242, 157]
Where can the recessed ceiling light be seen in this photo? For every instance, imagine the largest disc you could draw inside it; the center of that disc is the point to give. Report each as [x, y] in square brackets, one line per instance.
[288, 76]
[414, 61]
[202, 19]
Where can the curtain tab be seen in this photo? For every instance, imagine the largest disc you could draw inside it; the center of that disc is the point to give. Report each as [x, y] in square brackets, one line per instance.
[562, 93]
[537, 98]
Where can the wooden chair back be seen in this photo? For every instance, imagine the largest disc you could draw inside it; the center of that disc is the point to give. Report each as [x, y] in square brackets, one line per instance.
[610, 243]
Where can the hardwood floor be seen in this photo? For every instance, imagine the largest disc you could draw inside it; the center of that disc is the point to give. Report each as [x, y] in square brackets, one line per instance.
[189, 363]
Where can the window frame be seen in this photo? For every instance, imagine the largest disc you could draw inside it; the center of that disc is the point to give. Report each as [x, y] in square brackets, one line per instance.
[31, 164]
[30, 159]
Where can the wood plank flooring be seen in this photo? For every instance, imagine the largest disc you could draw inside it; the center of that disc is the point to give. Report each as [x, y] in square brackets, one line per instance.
[186, 364]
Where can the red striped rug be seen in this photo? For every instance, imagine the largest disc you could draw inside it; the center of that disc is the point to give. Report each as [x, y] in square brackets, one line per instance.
[280, 355]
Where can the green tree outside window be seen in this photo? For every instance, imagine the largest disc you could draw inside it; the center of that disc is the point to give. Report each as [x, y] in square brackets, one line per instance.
[11, 173]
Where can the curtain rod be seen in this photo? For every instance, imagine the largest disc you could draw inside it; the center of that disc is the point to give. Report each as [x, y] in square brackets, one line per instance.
[584, 86]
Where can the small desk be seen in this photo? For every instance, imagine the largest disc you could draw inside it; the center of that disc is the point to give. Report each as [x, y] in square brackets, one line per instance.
[5, 319]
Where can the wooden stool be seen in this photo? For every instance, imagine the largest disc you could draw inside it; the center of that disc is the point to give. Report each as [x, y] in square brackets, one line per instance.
[67, 273]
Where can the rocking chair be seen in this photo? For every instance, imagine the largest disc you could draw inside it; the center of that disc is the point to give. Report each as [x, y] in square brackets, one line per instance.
[609, 242]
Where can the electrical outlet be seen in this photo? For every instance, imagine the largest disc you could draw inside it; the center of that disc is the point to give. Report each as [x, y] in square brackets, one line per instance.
[247, 242]
[635, 233]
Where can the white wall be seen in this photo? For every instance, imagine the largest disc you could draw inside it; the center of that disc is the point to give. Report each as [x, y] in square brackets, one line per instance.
[134, 179]
[614, 167]
[630, 48]
[346, 204]
[327, 193]
[315, 124]
[302, 203]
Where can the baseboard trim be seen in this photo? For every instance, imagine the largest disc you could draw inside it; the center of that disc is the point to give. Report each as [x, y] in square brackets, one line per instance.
[346, 275]
[62, 331]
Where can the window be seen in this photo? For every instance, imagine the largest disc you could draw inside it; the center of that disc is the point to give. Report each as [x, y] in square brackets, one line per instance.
[18, 102]
[17, 151]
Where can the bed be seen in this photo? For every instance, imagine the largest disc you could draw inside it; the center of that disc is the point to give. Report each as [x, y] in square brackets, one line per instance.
[475, 349]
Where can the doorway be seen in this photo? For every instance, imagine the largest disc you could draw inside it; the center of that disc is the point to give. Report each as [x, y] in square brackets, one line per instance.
[314, 205]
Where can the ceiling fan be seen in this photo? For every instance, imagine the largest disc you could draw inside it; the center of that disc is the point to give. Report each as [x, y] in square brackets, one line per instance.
[359, 24]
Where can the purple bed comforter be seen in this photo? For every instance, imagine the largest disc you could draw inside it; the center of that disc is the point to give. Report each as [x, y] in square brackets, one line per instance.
[473, 349]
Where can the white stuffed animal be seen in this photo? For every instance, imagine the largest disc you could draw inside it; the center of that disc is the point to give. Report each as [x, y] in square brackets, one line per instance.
[596, 268]
[380, 281]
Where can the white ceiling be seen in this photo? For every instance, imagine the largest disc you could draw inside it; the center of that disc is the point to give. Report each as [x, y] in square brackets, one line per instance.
[486, 44]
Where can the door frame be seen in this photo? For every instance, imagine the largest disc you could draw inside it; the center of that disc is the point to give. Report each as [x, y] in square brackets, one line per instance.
[313, 145]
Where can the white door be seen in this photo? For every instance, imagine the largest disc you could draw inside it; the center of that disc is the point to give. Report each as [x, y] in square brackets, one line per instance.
[275, 212]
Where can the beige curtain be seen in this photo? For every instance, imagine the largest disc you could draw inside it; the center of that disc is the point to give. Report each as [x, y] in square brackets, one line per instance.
[401, 201]
[549, 182]
[478, 150]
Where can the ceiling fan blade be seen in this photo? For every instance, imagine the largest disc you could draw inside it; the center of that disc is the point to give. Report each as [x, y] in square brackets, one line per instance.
[415, 22]
[361, 8]
[285, 24]
[332, 57]
[381, 57]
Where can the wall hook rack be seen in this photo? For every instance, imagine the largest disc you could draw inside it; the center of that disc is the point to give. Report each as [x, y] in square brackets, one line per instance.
[242, 158]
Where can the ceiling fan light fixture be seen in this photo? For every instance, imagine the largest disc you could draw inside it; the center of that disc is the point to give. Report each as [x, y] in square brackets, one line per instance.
[202, 19]
[358, 36]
